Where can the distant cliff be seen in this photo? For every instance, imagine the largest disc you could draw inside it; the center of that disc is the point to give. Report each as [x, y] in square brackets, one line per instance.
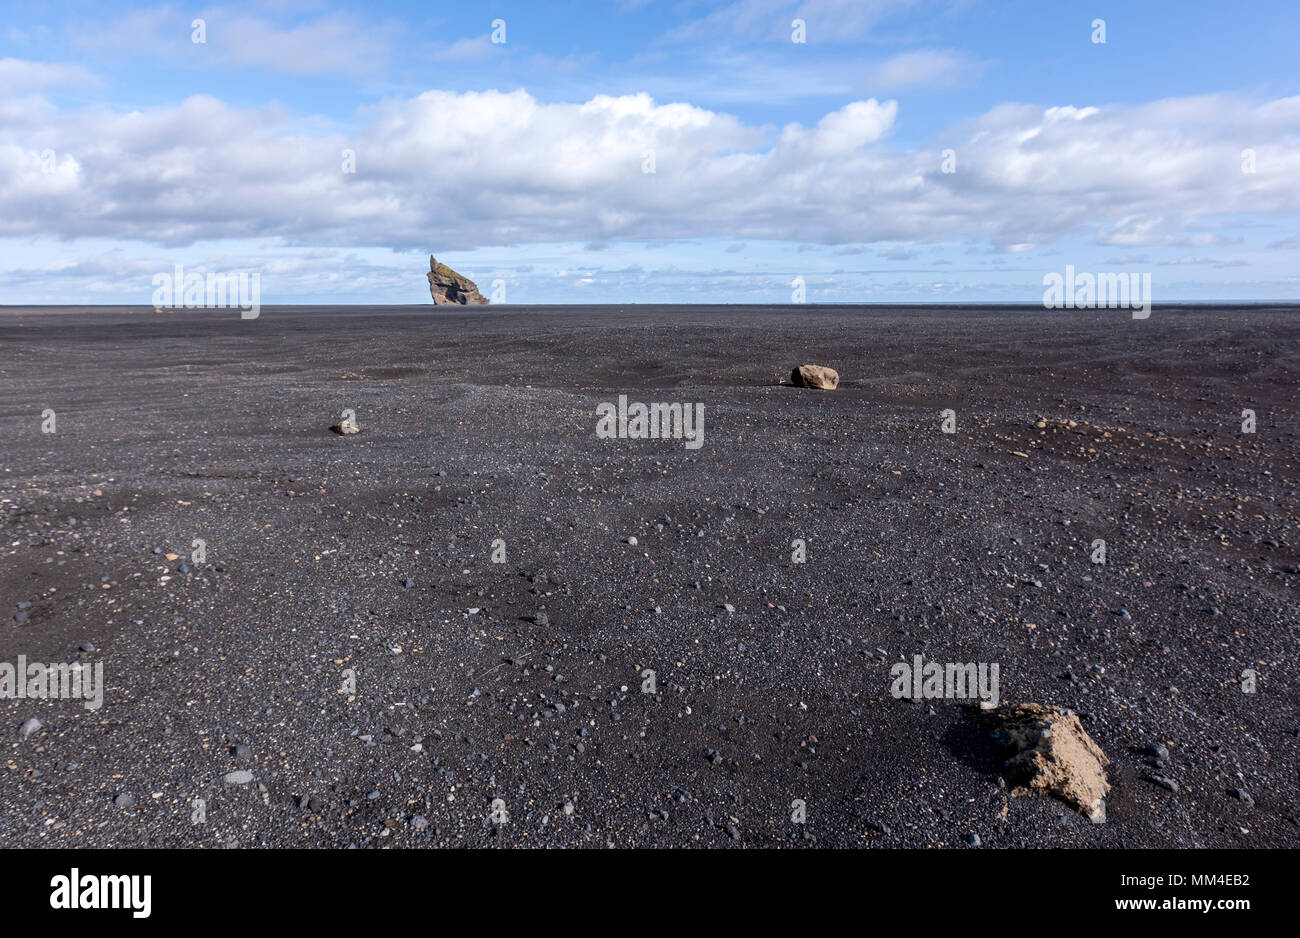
[449, 288]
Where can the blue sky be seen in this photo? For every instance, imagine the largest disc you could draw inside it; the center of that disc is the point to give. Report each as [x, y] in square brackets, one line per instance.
[127, 148]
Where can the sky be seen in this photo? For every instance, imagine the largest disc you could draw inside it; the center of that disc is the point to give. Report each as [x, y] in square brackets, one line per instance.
[652, 151]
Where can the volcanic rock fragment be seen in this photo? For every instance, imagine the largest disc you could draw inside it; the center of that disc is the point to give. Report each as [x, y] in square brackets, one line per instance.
[346, 427]
[1054, 755]
[449, 288]
[815, 376]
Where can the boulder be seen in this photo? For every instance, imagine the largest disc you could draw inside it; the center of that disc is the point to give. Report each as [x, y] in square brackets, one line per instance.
[815, 376]
[1054, 755]
[449, 288]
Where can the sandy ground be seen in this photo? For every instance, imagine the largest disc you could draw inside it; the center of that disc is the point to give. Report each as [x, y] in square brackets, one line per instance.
[371, 556]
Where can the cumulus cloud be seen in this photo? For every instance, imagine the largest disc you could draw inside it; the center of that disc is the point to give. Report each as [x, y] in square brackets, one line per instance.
[495, 168]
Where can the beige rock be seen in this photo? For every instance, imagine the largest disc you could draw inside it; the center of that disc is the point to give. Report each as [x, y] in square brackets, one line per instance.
[815, 376]
[1055, 755]
[345, 428]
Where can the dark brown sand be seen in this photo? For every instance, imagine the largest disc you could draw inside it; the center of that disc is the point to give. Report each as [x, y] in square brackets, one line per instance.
[328, 554]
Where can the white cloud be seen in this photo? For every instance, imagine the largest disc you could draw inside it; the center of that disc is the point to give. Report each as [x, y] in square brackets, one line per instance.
[493, 168]
[827, 20]
[462, 50]
[18, 76]
[333, 44]
[922, 68]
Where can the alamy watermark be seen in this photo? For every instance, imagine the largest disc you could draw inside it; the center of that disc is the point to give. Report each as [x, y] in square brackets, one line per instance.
[179, 290]
[637, 421]
[932, 680]
[1103, 290]
[38, 681]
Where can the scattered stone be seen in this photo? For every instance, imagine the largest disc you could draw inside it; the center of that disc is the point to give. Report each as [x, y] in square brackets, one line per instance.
[631, 542]
[1243, 796]
[346, 427]
[1157, 751]
[30, 726]
[1163, 781]
[125, 800]
[86, 646]
[239, 777]
[242, 753]
[419, 822]
[1054, 755]
[815, 376]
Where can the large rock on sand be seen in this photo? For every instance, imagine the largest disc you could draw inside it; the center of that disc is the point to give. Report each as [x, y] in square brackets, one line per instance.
[815, 376]
[449, 288]
[1054, 755]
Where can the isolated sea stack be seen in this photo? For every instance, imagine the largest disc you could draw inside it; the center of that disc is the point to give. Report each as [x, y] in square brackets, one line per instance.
[450, 288]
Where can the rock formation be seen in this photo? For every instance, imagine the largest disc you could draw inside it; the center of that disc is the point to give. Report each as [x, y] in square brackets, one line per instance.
[815, 376]
[1054, 755]
[449, 288]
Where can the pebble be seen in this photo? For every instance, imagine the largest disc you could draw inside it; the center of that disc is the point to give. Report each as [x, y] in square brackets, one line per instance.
[1157, 751]
[125, 800]
[30, 726]
[1243, 796]
[239, 777]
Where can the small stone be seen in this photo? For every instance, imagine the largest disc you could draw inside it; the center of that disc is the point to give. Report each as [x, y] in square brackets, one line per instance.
[242, 753]
[125, 800]
[239, 777]
[1163, 781]
[631, 541]
[974, 840]
[20, 617]
[1243, 796]
[408, 583]
[419, 822]
[1157, 751]
[29, 727]
[86, 646]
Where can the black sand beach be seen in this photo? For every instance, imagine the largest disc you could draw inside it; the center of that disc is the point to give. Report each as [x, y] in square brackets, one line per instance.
[372, 554]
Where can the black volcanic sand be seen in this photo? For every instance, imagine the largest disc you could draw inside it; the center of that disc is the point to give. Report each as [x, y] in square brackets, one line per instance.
[480, 424]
